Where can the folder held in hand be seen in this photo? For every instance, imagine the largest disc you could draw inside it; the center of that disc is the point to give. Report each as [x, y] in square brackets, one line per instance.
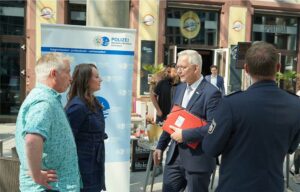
[183, 119]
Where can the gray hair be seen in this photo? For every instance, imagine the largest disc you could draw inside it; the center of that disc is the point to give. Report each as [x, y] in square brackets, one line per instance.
[48, 62]
[194, 57]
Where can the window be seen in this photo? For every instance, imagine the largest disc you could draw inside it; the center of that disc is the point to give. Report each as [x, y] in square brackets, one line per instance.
[208, 22]
[282, 32]
[77, 12]
[12, 20]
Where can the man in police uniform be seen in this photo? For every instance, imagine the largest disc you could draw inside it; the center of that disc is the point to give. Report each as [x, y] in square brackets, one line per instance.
[186, 166]
[255, 129]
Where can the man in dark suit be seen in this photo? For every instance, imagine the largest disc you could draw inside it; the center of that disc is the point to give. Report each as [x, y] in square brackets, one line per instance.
[186, 166]
[255, 129]
[216, 79]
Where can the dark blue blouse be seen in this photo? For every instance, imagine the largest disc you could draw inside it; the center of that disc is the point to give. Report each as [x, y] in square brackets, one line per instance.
[89, 131]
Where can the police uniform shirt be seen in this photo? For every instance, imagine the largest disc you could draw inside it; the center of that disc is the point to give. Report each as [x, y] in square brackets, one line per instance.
[254, 130]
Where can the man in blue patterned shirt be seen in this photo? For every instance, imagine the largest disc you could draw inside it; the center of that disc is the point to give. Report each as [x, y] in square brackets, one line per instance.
[44, 139]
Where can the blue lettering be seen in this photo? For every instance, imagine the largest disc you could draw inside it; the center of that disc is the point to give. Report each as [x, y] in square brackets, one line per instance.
[120, 40]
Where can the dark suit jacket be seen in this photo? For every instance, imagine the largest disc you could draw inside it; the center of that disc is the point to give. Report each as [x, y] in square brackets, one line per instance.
[202, 104]
[254, 130]
[220, 83]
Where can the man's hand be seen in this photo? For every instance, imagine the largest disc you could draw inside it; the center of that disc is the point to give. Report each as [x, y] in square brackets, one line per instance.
[159, 113]
[34, 149]
[157, 156]
[177, 135]
[44, 177]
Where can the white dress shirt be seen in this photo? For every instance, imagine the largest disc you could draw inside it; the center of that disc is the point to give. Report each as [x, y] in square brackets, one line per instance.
[213, 81]
[189, 91]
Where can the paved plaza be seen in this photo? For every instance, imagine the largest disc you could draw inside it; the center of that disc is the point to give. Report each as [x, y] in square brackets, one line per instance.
[137, 179]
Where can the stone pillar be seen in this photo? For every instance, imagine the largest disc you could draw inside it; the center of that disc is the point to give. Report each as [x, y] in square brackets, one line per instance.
[239, 23]
[46, 12]
[30, 44]
[108, 13]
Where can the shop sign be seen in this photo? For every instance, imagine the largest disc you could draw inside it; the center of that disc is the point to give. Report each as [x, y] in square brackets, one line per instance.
[237, 26]
[148, 20]
[275, 29]
[190, 24]
[47, 13]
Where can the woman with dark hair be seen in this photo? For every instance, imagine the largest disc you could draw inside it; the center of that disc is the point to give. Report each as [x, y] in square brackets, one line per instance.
[87, 122]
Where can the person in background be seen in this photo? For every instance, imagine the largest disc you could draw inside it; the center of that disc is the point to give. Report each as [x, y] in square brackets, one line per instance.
[162, 94]
[155, 79]
[255, 129]
[187, 167]
[161, 98]
[44, 140]
[216, 79]
[86, 118]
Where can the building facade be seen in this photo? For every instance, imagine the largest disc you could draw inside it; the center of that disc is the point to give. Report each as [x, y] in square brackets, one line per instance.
[217, 29]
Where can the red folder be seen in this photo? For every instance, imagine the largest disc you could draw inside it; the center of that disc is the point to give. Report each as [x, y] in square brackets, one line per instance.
[183, 119]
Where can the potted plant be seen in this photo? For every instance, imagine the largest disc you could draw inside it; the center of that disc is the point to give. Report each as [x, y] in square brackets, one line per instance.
[152, 69]
[155, 72]
[287, 80]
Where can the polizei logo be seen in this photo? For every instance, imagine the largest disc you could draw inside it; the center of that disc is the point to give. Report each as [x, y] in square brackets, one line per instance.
[101, 40]
[119, 41]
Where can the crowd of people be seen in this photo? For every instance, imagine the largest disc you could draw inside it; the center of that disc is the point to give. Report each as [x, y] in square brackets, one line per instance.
[62, 148]
[252, 130]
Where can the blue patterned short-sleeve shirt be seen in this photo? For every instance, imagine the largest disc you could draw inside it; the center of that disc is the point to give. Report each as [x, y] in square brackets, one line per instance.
[42, 113]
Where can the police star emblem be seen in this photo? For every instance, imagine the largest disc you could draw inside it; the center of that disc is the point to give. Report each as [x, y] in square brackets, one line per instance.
[212, 127]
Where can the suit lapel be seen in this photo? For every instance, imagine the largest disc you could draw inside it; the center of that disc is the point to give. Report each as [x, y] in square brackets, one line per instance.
[198, 92]
[208, 79]
[219, 81]
[179, 97]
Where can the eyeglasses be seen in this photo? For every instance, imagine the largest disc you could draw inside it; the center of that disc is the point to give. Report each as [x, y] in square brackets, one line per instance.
[181, 67]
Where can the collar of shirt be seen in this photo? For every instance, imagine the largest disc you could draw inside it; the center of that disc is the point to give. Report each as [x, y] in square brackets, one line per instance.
[263, 83]
[213, 80]
[195, 84]
[189, 91]
[49, 90]
[213, 77]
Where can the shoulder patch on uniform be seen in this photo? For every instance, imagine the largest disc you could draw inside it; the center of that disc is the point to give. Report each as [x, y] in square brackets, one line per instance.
[212, 127]
[233, 93]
